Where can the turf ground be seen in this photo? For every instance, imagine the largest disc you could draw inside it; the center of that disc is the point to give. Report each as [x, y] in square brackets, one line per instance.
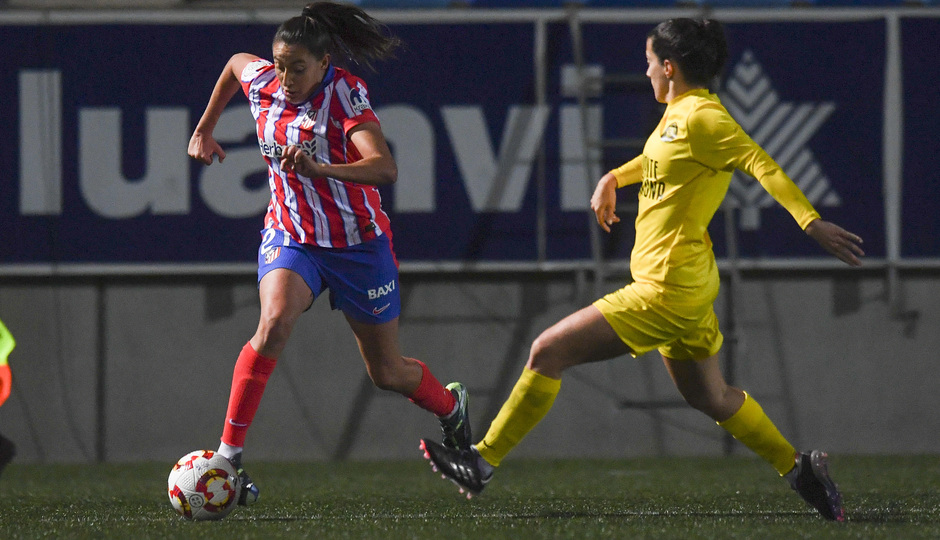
[674, 498]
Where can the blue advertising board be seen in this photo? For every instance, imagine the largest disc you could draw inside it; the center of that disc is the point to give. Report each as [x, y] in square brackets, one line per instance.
[920, 209]
[99, 117]
[806, 91]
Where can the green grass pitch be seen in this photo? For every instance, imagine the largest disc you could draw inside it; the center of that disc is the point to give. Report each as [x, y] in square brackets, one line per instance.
[670, 498]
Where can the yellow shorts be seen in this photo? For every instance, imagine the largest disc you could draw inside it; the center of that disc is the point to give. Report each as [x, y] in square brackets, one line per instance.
[647, 316]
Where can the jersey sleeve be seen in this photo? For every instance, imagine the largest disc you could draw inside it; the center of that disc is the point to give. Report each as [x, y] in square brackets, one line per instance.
[718, 142]
[630, 172]
[354, 97]
[252, 71]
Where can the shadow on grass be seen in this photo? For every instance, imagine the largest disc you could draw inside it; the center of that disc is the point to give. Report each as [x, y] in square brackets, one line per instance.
[873, 517]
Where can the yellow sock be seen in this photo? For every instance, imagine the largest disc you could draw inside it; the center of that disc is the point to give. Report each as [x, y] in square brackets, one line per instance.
[755, 430]
[529, 402]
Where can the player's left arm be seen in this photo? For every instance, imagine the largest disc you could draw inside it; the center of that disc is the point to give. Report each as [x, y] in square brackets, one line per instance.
[723, 145]
[836, 240]
[846, 246]
[377, 166]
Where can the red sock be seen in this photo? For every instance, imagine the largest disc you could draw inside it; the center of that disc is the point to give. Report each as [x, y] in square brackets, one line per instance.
[431, 394]
[251, 375]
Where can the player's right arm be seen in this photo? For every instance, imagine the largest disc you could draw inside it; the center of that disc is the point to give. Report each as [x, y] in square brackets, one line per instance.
[202, 146]
[604, 200]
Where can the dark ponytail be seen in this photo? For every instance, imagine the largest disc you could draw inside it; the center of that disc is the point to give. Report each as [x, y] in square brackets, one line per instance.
[697, 46]
[344, 31]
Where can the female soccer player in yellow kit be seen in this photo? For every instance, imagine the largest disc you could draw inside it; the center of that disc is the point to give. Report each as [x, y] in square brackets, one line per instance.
[685, 170]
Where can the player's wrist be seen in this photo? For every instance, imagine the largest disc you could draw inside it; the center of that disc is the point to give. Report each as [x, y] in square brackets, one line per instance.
[609, 181]
[812, 226]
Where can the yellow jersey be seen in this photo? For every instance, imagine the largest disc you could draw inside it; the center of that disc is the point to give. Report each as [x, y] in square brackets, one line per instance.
[685, 170]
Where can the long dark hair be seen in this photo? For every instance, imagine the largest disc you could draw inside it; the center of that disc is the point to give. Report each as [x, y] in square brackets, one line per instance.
[697, 46]
[344, 31]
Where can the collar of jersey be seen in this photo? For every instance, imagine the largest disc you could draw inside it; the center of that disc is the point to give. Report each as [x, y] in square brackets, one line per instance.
[327, 79]
[701, 92]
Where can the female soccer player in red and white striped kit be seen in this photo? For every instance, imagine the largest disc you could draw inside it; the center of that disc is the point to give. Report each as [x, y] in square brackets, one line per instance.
[325, 227]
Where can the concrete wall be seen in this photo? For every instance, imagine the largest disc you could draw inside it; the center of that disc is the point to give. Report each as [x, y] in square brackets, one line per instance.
[822, 353]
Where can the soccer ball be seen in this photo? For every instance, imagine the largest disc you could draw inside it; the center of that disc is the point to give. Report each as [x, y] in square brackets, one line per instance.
[203, 485]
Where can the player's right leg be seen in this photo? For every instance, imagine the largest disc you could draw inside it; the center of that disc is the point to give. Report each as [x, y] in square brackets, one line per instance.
[582, 337]
[285, 291]
[250, 493]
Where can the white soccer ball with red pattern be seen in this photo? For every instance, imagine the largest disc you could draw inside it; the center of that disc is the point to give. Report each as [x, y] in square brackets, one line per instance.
[203, 485]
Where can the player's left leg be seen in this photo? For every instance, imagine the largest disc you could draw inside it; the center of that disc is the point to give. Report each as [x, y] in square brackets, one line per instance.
[692, 362]
[703, 386]
[390, 370]
[364, 285]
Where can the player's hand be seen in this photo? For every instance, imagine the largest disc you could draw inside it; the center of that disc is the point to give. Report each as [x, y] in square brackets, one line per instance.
[604, 201]
[202, 147]
[836, 240]
[295, 160]
[6, 382]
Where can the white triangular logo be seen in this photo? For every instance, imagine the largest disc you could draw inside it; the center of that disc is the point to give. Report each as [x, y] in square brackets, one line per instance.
[783, 129]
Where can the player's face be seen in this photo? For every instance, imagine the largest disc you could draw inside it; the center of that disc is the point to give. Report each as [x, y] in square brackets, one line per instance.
[656, 71]
[298, 70]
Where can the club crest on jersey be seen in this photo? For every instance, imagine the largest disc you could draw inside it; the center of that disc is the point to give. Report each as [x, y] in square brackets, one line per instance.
[271, 254]
[670, 133]
[309, 119]
[358, 101]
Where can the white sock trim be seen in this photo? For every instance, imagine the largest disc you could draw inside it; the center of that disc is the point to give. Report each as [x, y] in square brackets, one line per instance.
[229, 452]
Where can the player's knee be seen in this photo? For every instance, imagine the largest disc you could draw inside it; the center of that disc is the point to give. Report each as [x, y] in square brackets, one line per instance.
[382, 381]
[545, 354]
[274, 329]
[706, 402]
[384, 377]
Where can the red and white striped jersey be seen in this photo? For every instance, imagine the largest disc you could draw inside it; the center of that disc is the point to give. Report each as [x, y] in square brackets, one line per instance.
[323, 211]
